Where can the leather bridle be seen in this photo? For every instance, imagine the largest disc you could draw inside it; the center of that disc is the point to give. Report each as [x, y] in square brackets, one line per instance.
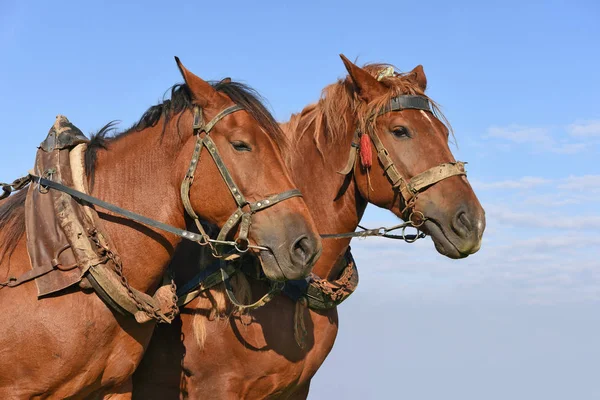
[245, 209]
[243, 212]
[409, 189]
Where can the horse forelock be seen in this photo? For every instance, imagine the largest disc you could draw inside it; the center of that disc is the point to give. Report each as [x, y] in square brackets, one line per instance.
[340, 110]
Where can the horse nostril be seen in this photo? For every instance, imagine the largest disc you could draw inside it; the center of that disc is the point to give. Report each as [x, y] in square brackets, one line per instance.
[465, 220]
[461, 224]
[301, 249]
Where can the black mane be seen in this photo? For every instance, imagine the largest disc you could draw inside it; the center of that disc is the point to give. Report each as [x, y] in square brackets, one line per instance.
[12, 210]
[181, 100]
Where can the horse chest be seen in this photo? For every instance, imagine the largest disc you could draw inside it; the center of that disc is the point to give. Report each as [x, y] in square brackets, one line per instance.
[259, 360]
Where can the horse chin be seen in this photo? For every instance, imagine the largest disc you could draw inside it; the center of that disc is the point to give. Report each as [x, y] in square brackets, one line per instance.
[442, 243]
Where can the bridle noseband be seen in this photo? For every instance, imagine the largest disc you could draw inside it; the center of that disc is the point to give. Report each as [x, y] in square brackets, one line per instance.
[241, 216]
[409, 189]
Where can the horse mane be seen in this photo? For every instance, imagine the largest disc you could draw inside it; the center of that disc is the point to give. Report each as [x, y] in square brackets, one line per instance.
[12, 222]
[340, 110]
[180, 100]
[12, 210]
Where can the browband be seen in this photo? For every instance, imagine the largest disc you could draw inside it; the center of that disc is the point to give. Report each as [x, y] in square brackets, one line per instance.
[406, 102]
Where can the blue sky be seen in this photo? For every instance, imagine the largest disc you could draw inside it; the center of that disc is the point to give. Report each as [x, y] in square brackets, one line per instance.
[519, 83]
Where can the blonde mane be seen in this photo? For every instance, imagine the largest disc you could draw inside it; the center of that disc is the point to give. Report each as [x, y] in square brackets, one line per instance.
[340, 110]
[338, 113]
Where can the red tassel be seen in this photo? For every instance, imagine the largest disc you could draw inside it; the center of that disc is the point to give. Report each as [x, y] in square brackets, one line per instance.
[366, 154]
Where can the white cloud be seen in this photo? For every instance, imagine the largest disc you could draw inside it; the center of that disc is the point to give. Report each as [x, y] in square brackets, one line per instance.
[568, 148]
[546, 138]
[545, 192]
[585, 129]
[526, 182]
[559, 200]
[581, 183]
[522, 134]
[542, 218]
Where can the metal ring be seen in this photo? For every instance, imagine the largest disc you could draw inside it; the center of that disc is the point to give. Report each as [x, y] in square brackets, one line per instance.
[422, 218]
[409, 240]
[237, 244]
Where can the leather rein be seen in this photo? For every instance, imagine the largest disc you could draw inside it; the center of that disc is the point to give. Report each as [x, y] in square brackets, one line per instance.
[201, 131]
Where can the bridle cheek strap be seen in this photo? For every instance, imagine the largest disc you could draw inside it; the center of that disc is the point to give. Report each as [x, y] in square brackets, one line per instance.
[202, 141]
[244, 216]
[418, 183]
[409, 189]
[240, 216]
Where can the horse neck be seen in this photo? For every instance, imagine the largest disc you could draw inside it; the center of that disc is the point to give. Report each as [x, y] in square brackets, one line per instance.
[320, 185]
[136, 173]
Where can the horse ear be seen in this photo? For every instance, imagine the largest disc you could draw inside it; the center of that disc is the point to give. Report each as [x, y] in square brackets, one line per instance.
[417, 76]
[367, 87]
[202, 92]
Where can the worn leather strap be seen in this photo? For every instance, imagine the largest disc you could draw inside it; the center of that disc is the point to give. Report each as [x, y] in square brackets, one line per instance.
[434, 175]
[114, 292]
[239, 215]
[406, 102]
[407, 188]
[28, 276]
[204, 140]
[276, 288]
[386, 161]
[201, 141]
[118, 210]
[16, 185]
[354, 147]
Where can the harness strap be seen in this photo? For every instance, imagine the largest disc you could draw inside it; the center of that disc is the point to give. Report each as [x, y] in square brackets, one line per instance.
[235, 191]
[45, 183]
[254, 207]
[433, 175]
[276, 287]
[28, 276]
[204, 140]
[16, 185]
[354, 147]
[206, 279]
[407, 102]
[108, 286]
[386, 162]
[201, 141]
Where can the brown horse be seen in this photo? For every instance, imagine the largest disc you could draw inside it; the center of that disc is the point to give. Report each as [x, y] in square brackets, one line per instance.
[71, 344]
[256, 356]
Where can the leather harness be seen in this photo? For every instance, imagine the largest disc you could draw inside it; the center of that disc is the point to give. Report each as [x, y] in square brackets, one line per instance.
[105, 284]
[202, 130]
[318, 293]
[314, 292]
[409, 189]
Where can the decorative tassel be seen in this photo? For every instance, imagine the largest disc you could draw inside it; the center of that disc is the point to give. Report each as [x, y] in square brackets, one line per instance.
[366, 154]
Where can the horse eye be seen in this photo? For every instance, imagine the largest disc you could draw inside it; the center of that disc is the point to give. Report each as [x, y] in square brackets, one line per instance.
[241, 146]
[401, 131]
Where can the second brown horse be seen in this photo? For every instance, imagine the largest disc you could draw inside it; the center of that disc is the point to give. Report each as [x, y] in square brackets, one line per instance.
[257, 356]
